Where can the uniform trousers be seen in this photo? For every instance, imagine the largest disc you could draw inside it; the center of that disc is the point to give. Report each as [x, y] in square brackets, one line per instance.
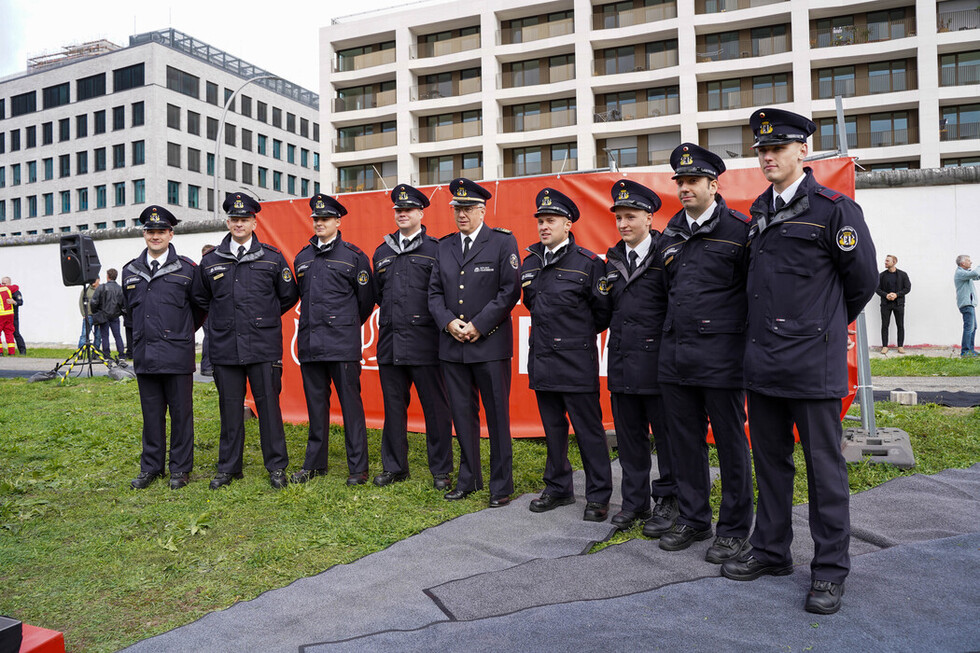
[469, 383]
[265, 379]
[346, 377]
[585, 414]
[396, 388]
[18, 338]
[7, 332]
[635, 417]
[688, 409]
[158, 393]
[771, 422]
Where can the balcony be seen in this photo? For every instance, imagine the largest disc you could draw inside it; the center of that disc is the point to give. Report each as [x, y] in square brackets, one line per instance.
[374, 183]
[959, 75]
[852, 35]
[955, 21]
[732, 150]
[426, 178]
[958, 132]
[358, 102]
[652, 61]
[521, 79]
[365, 142]
[828, 89]
[719, 6]
[453, 88]
[536, 121]
[449, 46]
[448, 132]
[759, 48]
[636, 16]
[361, 61]
[725, 100]
[639, 110]
[866, 139]
[529, 33]
[538, 168]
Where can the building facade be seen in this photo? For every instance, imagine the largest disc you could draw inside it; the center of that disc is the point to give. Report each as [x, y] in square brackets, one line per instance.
[504, 88]
[90, 136]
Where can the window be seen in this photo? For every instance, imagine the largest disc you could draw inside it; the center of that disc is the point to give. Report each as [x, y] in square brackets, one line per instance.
[137, 114]
[14, 140]
[304, 187]
[959, 69]
[720, 46]
[173, 116]
[276, 149]
[193, 123]
[3, 210]
[304, 158]
[3, 176]
[139, 191]
[724, 94]
[15, 174]
[836, 81]
[229, 134]
[100, 159]
[247, 173]
[959, 122]
[23, 103]
[89, 87]
[57, 95]
[231, 166]
[48, 200]
[193, 159]
[228, 94]
[82, 196]
[889, 129]
[245, 105]
[31, 136]
[99, 122]
[118, 224]
[173, 192]
[316, 137]
[65, 201]
[290, 153]
[260, 111]
[885, 25]
[64, 130]
[212, 94]
[81, 126]
[291, 184]
[277, 181]
[64, 165]
[193, 197]
[210, 159]
[178, 80]
[118, 118]
[770, 89]
[100, 197]
[887, 77]
[290, 123]
[31, 172]
[15, 206]
[277, 117]
[47, 133]
[768, 40]
[212, 128]
[130, 77]
[316, 160]
[527, 161]
[828, 134]
[81, 162]
[173, 155]
[3, 142]
[2, 109]
[139, 153]
[262, 144]
[48, 168]
[32, 206]
[263, 178]
[119, 193]
[304, 128]
[247, 140]
[119, 156]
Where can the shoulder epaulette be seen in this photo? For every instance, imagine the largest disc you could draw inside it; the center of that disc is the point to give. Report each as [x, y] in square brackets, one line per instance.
[585, 252]
[273, 248]
[186, 260]
[450, 234]
[502, 230]
[830, 194]
[353, 247]
[741, 217]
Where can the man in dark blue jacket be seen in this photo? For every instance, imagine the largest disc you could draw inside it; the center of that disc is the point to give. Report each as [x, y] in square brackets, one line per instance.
[157, 293]
[634, 346]
[474, 287]
[813, 270]
[408, 343]
[566, 294]
[334, 279]
[246, 286]
[705, 259]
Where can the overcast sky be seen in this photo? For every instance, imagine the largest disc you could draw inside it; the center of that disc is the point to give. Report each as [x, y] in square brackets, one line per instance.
[280, 37]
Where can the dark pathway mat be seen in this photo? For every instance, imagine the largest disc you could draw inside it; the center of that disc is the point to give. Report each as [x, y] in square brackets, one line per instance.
[957, 399]
[914, 597]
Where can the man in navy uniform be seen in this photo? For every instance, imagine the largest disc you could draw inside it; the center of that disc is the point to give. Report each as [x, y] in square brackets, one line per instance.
[334, 278]
[157, 292]
[408, 343]
[813, 270]
[631, 368]
[705, 259]
[247, 286]
[566, 293]
[474, 287]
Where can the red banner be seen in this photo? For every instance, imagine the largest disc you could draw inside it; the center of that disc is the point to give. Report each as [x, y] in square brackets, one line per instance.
[286, 224]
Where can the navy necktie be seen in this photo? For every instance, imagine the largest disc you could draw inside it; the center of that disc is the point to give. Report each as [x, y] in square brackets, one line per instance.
[780, 203]
[241, 251]
[633, 256]
[466, 245]
[154, 266]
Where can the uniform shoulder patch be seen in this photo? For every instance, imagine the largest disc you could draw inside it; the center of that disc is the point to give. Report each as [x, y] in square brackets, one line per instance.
[362, 277]
[287, 276]
[449, 235]
[272, 247]
[847, 238]
[739, 216]
[587, 253]
[187, 260]
[830, 194]
[353, 247]
[502, 230]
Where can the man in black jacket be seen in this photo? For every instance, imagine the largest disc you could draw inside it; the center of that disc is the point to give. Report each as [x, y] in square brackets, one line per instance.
[107, 306]
[893, 285]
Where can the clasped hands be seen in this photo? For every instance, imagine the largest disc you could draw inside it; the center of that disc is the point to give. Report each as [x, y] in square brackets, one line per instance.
[463, 331]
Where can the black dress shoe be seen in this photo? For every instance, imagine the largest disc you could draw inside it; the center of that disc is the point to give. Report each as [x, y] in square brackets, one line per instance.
[624, 519]
[595, 511]
[304, 475]
[457, 494]
[824, 597]
[682, 536]
[441, 482]
[221, 479]
[725, 548]
[143, 480]
[278, 479]
[746, 567]
[387, 478]
[665, 513]
[547, 502]
[499, 502]
[179, 480]
[357, 479]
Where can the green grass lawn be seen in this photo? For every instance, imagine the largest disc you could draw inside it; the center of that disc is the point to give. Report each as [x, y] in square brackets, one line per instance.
[82, 553]
[920, 365]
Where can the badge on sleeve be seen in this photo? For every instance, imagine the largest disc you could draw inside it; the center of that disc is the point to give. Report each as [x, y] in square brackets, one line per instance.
[362, 277]
[603, 286]
[514, 261]
[847, 239]
[287, 276]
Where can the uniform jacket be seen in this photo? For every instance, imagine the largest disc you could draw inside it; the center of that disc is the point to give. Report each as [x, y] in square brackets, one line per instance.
[407, 333]
[635, 330]
[164, 314]
[569, 304]
[481, 289]
[896, 282]
[812, 270]
[704, 289]
[8, 299]
[337, 298]
[245, 301]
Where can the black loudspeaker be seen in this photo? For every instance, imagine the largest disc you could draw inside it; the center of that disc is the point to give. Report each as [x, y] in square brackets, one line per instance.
[79, 260]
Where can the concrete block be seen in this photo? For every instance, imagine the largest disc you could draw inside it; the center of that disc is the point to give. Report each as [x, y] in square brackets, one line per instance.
[904, 397]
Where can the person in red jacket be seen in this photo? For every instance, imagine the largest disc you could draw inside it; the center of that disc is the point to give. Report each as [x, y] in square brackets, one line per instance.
[7, 317]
